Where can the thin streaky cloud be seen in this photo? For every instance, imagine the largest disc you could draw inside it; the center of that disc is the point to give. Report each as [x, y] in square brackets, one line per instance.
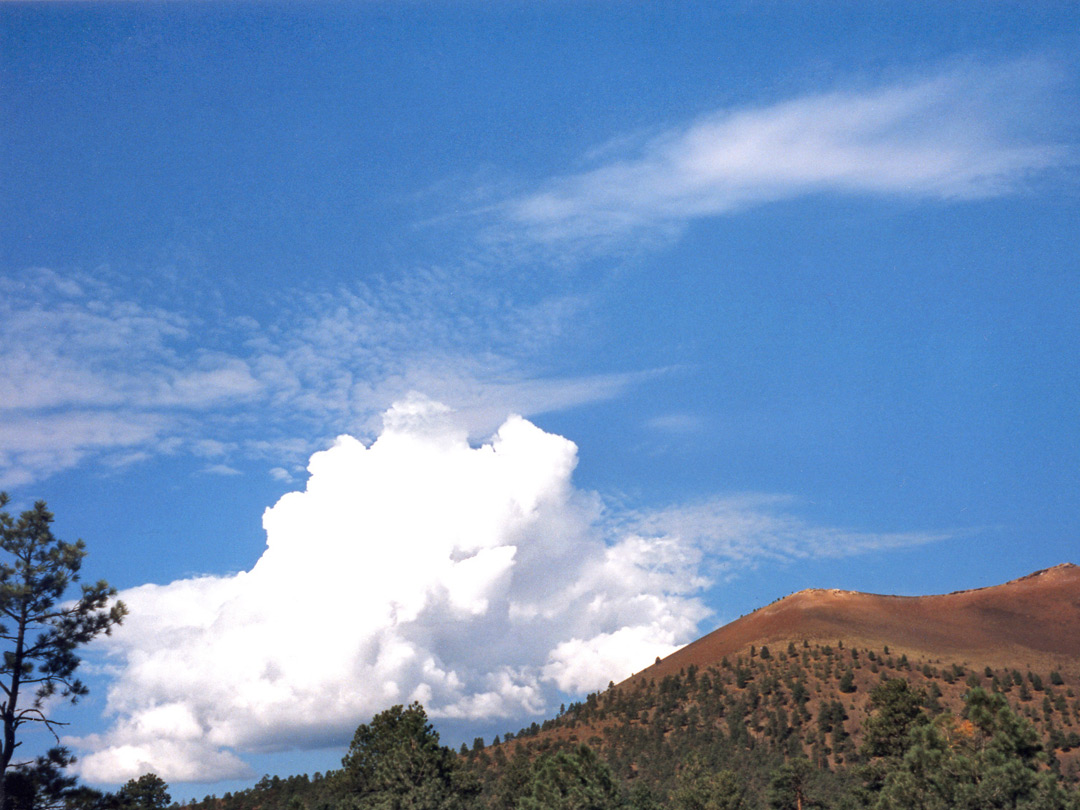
[220, 469]
[676, 423]
[953, 136]
[35, 446]
[742, 530]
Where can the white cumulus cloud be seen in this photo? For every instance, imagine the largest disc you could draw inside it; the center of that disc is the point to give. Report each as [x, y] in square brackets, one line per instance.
[474, 578]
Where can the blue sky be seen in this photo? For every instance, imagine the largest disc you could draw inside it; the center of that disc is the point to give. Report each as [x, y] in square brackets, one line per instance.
[784, 295]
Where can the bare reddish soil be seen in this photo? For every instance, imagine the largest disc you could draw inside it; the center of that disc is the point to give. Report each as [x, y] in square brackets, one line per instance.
[1021, 639]
[1031, 623]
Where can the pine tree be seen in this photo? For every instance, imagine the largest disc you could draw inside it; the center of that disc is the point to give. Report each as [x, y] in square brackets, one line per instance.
[397, 763]
[575, 780]
[40, 629]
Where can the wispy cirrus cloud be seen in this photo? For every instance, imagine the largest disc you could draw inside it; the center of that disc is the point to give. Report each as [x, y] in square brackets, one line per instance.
[73, 342]
[970, 132]
[34, 445]
[743, 530]
[89, 372]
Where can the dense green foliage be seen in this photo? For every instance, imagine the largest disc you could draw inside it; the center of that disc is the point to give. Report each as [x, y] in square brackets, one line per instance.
[570, 780]
[148, 792]
[396, 763]
[988, 758]
[701, 788]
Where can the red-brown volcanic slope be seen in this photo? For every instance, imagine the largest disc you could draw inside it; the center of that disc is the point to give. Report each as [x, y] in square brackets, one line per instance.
[1031, 622]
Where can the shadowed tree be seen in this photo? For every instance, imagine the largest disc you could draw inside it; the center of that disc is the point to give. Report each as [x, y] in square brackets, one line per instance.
[148, 792]
[397, 763]
[41, 632]
[699, 788]
[789, 788]
[571, 780]
[896, 708]
[513, 779]
[42, 783]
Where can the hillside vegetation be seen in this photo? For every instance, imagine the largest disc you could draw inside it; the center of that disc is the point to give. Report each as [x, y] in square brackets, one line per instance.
[700, 742]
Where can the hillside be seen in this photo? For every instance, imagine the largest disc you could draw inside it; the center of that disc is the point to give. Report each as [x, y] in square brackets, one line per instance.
[1031, 622]
[796, 676]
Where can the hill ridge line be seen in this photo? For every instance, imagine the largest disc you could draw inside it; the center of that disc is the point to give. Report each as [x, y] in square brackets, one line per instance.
[1065, 566]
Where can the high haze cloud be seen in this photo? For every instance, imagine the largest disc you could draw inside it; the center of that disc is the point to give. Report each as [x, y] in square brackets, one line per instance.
[475, 579]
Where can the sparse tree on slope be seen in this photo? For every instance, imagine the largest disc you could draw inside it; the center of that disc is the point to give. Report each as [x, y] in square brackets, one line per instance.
[40, 632]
